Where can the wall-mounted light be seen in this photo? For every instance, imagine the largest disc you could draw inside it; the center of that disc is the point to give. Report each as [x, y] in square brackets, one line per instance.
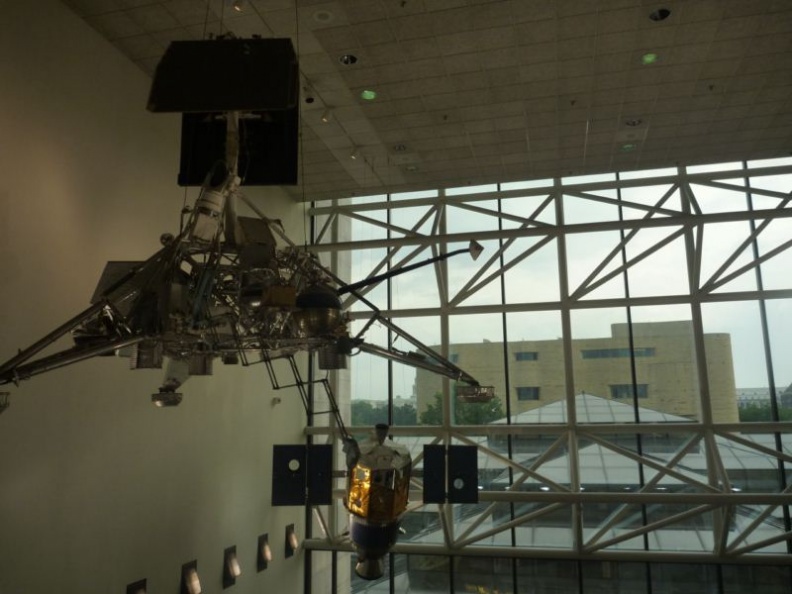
[292, 542]
[263, 553]
[138, 587]
[190, 582]
[231, 567]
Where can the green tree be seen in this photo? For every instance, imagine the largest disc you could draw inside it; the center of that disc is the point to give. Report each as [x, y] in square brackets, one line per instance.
[365, 413]
[465, 413]
[405, 415]
[763, 412]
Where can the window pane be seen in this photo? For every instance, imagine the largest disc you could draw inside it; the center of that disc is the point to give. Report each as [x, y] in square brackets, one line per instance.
[673, 578]
[536, 359]
[427, 573]
[767, 579]
[611, 577]
[779, 312]
[593, 261]
[473, 575]
[546, 576]
[532, 274]
[478, 341]
[735, 361]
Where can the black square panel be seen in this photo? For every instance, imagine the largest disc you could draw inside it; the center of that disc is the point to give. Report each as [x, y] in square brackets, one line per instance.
[462, 474]
[289, 474]
[320, 474]
[226, 75]
[434, 474]
[267, 147]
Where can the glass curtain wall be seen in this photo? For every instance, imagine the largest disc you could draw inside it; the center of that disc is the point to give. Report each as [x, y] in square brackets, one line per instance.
[636, 329]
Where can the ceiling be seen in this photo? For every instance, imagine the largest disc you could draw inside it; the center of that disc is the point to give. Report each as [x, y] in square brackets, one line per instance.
[477, 91]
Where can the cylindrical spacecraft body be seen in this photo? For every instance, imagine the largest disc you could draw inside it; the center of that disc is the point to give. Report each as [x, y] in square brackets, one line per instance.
[377, 490]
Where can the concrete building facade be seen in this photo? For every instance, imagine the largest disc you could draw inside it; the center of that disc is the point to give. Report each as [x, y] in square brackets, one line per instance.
[666, 379]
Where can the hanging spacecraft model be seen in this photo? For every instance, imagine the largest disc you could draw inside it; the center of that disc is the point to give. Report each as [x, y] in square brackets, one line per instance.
[236, 288]
[227, 287]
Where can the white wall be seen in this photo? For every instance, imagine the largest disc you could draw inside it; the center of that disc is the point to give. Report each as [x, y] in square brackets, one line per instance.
[98, 488]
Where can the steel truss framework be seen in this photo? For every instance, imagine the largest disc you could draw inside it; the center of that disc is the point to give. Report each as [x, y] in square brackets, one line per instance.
[644, 216]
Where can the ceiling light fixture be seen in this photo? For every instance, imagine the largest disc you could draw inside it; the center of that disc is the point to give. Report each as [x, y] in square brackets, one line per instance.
[649, 58]
[348, 59]
[238, 5]
[326, 116]
[660, 14]
[354, 154]
[368, 95]
[633, 122]
[323, 16]
[629, 147]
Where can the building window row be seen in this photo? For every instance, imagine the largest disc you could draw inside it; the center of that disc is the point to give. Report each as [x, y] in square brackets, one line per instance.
[526, 356]
[627, 390]
[527, 393]
[615, 353]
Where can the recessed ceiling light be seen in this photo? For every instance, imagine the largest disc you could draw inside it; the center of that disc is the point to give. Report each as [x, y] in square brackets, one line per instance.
[323, 16]
[399, 148]
[626, 148]
[633, 122]
[660, 14]
[368, 95]
[411, 168]
[647, 59]
[348, 59]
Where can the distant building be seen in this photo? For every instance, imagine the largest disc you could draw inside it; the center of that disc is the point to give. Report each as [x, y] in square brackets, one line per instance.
[665, 370]
[747, 397]
[785, 400]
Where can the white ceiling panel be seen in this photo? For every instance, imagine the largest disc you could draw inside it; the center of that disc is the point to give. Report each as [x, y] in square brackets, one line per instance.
[482, 91]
